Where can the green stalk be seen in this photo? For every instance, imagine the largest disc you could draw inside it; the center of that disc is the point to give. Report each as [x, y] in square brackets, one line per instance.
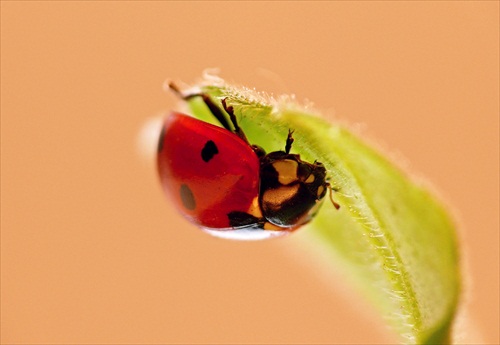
[394, 239]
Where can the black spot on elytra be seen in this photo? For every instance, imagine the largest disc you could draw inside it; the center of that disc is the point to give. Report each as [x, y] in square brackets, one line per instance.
[187, 197]
[209, 151]
[161, 139]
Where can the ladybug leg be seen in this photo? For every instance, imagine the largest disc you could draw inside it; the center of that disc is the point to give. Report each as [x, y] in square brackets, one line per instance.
[289, 141]
[214, 109]
[242, 219]
[239, 132]
[237, 129]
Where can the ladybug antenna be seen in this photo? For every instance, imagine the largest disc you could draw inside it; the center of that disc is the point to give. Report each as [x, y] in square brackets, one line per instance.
[331, 190]
[214, 109]
[289, 141]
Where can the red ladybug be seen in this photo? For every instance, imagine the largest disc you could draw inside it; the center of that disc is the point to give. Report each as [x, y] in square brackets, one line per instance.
[231, 188]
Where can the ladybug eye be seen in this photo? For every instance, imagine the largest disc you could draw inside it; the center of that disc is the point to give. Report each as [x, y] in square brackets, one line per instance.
[321, 192]
[310, 179]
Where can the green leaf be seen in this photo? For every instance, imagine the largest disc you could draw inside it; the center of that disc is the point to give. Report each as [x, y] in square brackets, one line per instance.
[394, 239]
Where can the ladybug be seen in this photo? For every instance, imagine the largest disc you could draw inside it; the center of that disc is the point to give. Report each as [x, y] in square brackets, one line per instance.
[231, 188]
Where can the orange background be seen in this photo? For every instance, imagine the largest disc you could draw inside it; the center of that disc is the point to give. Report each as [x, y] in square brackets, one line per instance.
[91, 250]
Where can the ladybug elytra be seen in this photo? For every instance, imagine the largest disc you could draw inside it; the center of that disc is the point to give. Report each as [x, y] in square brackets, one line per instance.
[233, 189]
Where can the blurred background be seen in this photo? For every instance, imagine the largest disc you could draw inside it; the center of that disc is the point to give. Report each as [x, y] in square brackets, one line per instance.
[91, 252]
